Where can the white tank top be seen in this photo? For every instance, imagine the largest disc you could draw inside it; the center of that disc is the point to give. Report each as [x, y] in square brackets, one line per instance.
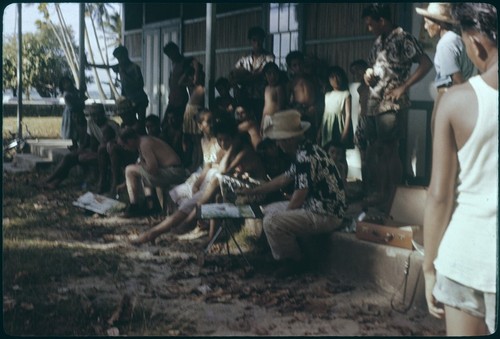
[468, 251]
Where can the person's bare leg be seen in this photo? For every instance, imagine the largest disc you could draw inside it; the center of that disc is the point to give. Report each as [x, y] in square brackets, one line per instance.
[209, 192]
[62, 170]
[393, 174]
[188, 223]
[114, 157]
[459, 323]
[174, 220]
[103, 166]
[132, 176]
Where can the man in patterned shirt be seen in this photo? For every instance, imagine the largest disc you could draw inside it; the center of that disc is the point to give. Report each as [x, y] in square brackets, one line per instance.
[389, 77]
[318, 202]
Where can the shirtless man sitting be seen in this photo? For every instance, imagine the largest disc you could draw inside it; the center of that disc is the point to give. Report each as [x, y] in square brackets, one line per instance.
[303, 93]
[158, 166]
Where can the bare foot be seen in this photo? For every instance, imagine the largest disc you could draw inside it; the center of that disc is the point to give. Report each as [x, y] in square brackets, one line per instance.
[142, 239]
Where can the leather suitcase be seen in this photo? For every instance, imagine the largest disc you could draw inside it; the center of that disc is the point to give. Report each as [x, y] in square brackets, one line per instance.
[404, 222]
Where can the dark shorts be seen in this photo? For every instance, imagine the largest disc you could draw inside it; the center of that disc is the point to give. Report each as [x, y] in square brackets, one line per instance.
[387, 127]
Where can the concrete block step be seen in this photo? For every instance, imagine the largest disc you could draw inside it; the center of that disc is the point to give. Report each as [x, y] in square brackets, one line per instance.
[52, 149]
[395, 270]
[25, 163]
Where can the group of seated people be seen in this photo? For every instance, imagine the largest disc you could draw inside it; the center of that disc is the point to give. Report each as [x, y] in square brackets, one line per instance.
[189, 156]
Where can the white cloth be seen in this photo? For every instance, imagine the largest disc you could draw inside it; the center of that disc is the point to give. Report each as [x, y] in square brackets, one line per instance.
[468, 252]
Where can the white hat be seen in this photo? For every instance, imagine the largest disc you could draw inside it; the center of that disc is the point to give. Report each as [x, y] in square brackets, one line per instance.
[286, 124]
[439, 11]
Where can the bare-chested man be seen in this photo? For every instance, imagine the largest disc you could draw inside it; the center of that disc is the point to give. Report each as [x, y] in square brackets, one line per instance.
[274, 94]
[158, 166]
[303, 92]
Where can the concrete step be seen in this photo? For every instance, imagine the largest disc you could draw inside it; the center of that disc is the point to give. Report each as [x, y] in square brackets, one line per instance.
[51, 149]
[42, 152]
[395, 270]
[26, 163]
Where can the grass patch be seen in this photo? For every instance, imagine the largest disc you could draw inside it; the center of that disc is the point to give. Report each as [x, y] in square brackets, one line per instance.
[39, 127]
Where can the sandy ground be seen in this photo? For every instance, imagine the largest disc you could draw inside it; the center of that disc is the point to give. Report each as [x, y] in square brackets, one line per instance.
[170, 288]
[180, 291]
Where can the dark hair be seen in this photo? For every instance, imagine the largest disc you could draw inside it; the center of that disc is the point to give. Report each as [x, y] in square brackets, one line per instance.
[480, 17]
[341, 76]
[256, 31]
[153, 118]
[293, 56]
[108, 133]
[377, 11]
[225, 125]
[64, 79]
[189, 70]
[96, 109]
[265, 144]
[170, 47]
[120, 51]
[359, 63]
[221, 82]
[270, 66]
[128, 133]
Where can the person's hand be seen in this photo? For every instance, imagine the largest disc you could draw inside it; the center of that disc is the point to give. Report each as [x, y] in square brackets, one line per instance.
[370, 78]
[435, 309]
[396, 93]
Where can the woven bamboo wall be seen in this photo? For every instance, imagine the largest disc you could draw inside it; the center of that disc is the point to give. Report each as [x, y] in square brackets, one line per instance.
[231, 32]
[331, 21]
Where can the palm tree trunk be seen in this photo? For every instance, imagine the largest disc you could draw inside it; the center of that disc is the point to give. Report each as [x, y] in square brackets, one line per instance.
[112, 85]
[102, 95]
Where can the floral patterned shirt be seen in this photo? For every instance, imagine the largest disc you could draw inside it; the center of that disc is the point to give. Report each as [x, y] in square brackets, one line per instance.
[391, 59]
[315, 170]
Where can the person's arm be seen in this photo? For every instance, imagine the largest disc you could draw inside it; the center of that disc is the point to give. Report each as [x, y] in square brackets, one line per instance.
[424, 66]
[270, 186]
[103, 66]
[298, 198]
[440, 196]
[347, 124]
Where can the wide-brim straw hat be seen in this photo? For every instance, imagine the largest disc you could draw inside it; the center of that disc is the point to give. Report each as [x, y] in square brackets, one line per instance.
[439, 11]
[286, 124]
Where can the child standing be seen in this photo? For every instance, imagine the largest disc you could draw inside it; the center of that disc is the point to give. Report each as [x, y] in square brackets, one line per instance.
[336, 126]
[274, 95]
[194, 79]
[74, 124]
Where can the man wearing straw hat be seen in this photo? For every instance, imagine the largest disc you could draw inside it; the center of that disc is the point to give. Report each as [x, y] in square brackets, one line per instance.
[451, 62]
[318, 202]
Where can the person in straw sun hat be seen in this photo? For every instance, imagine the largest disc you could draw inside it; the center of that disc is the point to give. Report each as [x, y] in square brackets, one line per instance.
[451, 62]
[318, 202]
